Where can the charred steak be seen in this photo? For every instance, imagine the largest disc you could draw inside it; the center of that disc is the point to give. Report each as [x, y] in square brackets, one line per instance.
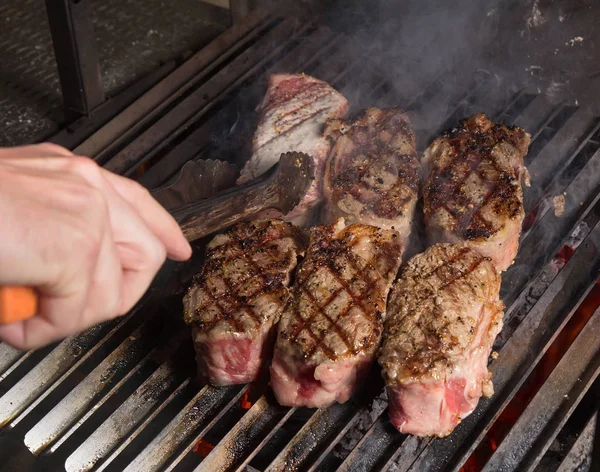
[443, 316]
[236, 300]
[293, 116]
[331, 329]
[373, 172]
[473, 192]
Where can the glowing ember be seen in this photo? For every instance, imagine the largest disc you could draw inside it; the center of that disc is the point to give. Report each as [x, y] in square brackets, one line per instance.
[203, 448]
[537, 377]
[141, 169]
[253, 393]
[565, 254]
[244, 402]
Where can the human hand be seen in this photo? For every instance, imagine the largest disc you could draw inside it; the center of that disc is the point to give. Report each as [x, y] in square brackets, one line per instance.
[89, 241]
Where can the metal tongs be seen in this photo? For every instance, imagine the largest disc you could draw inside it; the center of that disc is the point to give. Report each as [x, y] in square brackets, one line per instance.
[189, 199]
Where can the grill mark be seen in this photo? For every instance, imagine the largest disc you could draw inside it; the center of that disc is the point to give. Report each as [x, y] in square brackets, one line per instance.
[238, 299]
[279, 98]
[318, 342]
[221, 315]
[342, 179]
[305, 103]
[234, 250]
[320, 309]
[460, 253]
[442, 194]
[283, 133]
[471, 268]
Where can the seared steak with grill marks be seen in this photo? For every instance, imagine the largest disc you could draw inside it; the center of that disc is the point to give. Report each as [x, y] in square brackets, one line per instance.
[443, 316]
[331, 329]
[238, 297]
[373, 172]
[473, 192]
[293, 115]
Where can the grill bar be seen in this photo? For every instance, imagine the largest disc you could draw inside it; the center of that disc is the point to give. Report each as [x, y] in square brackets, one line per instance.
[193, 145]
[87, 393]
[8, 358]
[534, 113]
[581, 452]
[378, 445]
[94, 390]
[56, 365]
[209, 402]
[532, 434]
[322, 425]
[121, 423]
[179, 391]
[565, 141]
[260, 418]
[174, 122]
[151, 104]
[550, 232]
[520, 354]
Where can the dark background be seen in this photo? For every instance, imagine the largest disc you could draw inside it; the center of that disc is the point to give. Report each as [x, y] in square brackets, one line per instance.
[546, 44]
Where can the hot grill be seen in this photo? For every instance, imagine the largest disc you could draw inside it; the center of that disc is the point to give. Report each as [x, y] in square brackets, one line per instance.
[122, 396]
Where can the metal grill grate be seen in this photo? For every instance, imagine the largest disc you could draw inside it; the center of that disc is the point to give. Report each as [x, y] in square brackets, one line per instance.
[122, 396]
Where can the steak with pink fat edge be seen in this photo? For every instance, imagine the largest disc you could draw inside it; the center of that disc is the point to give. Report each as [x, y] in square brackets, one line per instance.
[331, 329]
[293, 116]
[473, 192]
[236, 300]
[444, 314]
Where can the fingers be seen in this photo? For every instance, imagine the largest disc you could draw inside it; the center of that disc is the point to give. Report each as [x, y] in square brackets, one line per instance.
[139, 251]
[35, 151]
[90, 241]
[106, 290]
[154, 215]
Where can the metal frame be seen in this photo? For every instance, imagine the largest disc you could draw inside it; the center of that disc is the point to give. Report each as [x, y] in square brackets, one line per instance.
[74, 42]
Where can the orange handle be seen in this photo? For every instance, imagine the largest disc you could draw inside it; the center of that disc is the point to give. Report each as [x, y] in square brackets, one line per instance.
[17, 304]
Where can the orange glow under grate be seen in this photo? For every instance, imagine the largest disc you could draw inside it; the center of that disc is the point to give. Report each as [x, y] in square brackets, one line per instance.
[536, 379]
[203, 448]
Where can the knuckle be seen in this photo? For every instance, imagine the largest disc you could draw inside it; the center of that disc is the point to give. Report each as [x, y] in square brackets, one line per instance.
[83, 166]
[113, 305]
[139, 192]
[52, 148]
[158, 255]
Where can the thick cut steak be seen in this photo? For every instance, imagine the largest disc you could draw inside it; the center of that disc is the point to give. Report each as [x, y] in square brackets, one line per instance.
[473, 192]
[373, 172]
[236, 300]
[293, 116]
[331, 329]
[443, 316]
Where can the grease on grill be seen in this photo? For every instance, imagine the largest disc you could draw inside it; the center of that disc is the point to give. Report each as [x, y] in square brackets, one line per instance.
[558, 202]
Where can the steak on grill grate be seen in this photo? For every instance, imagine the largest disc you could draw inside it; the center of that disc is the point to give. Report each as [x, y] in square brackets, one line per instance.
[473, 192]
[373, 172]
[444, 314]
[331, 329]
[293, 115]
[235, 301]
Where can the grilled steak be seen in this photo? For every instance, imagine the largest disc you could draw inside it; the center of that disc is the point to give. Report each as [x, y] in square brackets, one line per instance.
[331, 329]
[444, 314]
[293, 115]
[373, 173]
[238, 297]
[473, 192]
